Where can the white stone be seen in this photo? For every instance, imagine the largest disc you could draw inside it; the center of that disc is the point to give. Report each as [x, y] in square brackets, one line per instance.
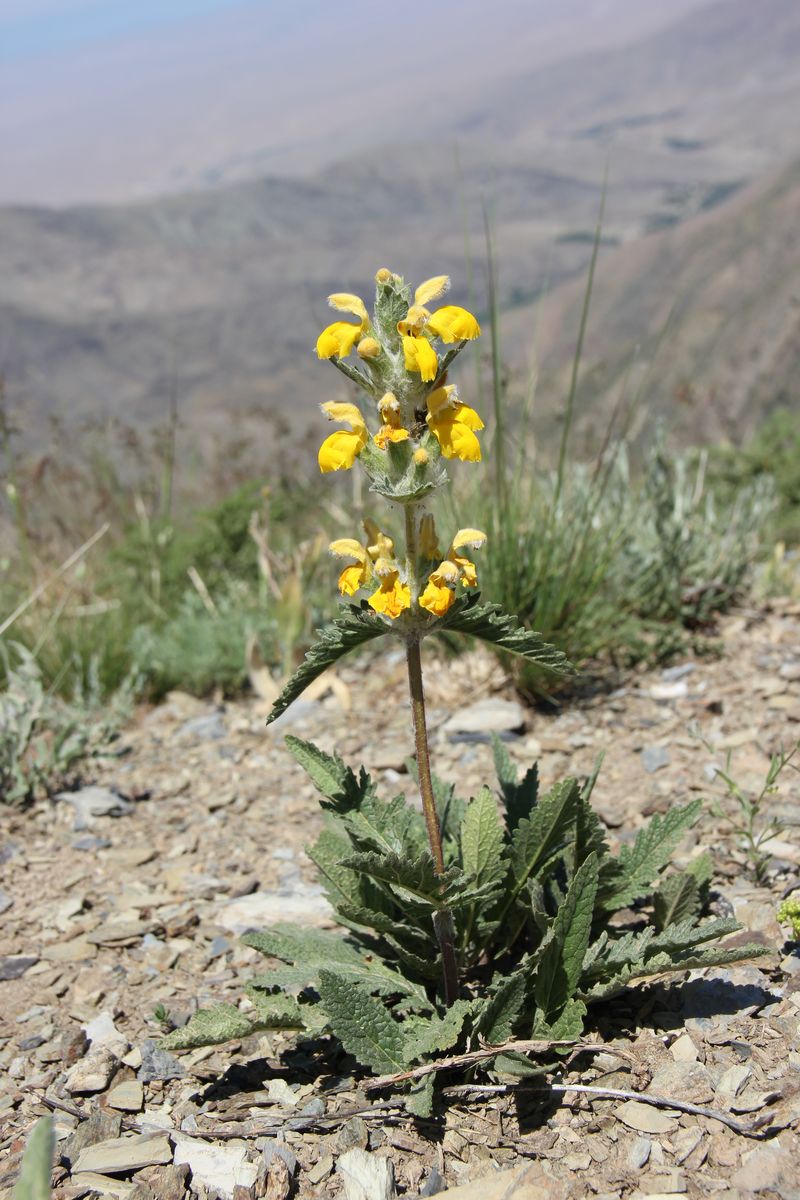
[488, 716]
[366, 1176]
[216, 1167]
[305, 905]
[101, 1031]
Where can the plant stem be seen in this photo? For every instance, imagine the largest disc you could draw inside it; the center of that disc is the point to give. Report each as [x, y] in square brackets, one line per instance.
[443, 920]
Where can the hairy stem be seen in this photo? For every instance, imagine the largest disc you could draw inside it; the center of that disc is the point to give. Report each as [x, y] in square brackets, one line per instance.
[443, 920]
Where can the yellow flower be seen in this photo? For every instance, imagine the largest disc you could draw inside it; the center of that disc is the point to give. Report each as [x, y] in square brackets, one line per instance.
[392, 597]
[391, 430]
[368, 348]
[450, 324]
[353, 577]
[439, 592]
[375, 560]
[338, 339]
[339, 451]
[453, 424]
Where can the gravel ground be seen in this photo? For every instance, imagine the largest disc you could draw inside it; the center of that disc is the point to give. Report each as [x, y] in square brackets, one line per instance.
[130, 895]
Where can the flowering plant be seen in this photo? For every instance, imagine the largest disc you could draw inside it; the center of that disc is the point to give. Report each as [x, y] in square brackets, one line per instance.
[470, 924]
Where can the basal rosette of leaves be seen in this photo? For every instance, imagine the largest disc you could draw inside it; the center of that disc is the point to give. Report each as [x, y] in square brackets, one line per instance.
[472, 922]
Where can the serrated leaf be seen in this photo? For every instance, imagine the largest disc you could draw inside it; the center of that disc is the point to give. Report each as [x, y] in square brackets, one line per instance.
[677, 898]
[519, 798]
[489, 623]
[482, 840]
[223, 1023]
[639, 865]
[545, 832]
[438, 1033]
[307, 951]
[496, 1018]
[37, 1163]
[414, 879]
[511, 1062]
[567, 1026]
[354, 628]
[561, 961]
[395, 827]
[362, 1023]
[419, 1100]
[331, 776]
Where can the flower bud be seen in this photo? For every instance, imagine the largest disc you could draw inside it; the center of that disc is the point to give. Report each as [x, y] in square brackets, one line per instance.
[421, 456]
[383, 275]
[368, 347]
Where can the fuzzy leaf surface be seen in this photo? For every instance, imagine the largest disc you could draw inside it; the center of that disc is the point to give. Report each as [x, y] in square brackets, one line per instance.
[223, 1022]
[345, 633]
[331, 776]
[639, 865]
[677, 898]
[489, 623]
[37, 1163]
[561, 961]
[519, 798]
[438, 1033]
[482, 839]
[545, 831]
[362, 1023]
[499, 1012]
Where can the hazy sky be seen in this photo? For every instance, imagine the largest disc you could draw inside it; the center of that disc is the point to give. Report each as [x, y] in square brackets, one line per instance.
[114, 99]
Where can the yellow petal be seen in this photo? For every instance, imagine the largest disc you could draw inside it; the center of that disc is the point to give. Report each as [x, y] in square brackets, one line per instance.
[442, 397]
[347, 302]
[420, 356]
[340, 410]
[338, 452]
[388, 403]
[432, 289]
[351, 579]
[467, 416]
[446, 572]
[391, 598]
[468, 537]
[348, 548]
[437, 599]
[387, 433]
[338, 339]
[469, 575]
[453, 324]
[457, 440]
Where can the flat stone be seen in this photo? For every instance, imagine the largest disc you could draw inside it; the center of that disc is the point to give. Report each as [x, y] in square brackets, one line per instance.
[639, 1153]
[127, 1096]
[158, 1064]
[93, 802]
[353, 1134]
[5, 901]
[100, 1126]
[120, 1155]
[102, 1186]
[654, 758]
[763, 1169]
[486, 717]
[15, 966]
[216, 1167]
[732, 1082]
[366, 1176]
[306, 905]
[530, 1181]
[683, 1049]
[669, 691]
[683, 1081]
[644, 1118]
[101, 1031]
[76, 950]
[167, 1182]
[93, 1073]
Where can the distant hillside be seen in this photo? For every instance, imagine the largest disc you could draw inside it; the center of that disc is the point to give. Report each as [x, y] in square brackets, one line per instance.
[217, 296]
[701, 320]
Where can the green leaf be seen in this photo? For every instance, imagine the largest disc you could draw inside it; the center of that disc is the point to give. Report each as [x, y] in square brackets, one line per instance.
[345, 633]
[37, 1163]
[308, 951]
[362, 1023]
[419, 1100]
[331, 776]
[482, 840]
[677, 898]
[638, 866]
[438, 1033]
[567, 1026]
[545, 831]
[394, 827]
[413, 879]
[562, 958]
[489, 623]
[510, 1062]
[500, 1011]
[223, 1022]
[520, 798]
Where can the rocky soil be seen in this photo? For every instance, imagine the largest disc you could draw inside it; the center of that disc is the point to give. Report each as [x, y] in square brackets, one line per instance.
[122, 904]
